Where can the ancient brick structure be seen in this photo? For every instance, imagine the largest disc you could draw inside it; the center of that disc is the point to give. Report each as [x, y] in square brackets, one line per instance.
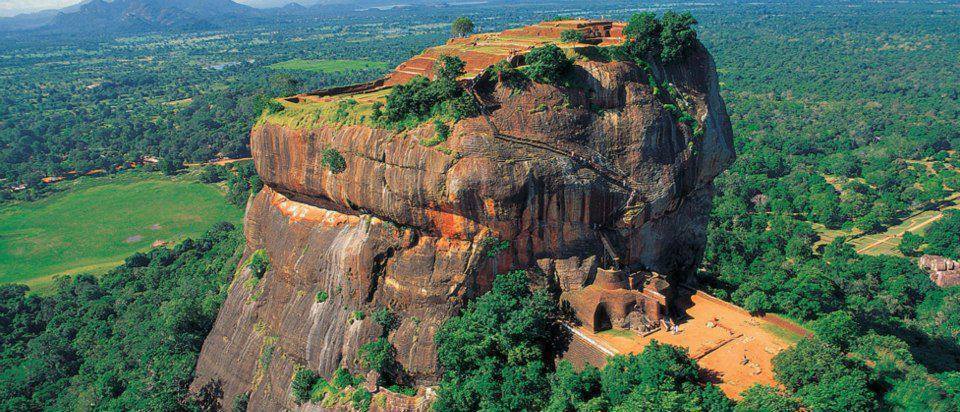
[479, 51]
[638, 301]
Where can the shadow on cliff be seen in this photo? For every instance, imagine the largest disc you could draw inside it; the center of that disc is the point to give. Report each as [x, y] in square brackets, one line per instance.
[209, 396]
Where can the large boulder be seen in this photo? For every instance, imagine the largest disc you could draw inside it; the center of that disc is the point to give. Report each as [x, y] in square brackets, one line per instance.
[418, 229]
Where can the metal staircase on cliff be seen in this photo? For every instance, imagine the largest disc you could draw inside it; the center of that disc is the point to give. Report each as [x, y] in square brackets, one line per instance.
[594, 160]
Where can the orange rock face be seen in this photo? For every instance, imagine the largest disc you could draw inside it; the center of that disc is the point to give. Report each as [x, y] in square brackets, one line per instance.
[406, 227]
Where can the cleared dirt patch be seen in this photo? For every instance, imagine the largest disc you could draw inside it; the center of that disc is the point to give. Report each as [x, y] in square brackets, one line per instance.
[733, 348]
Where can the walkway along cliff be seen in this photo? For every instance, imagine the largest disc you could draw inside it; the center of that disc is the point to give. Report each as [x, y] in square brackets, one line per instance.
[597, 190]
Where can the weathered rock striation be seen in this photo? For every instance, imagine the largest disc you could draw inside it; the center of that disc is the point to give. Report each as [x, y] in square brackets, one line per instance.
[412, 228]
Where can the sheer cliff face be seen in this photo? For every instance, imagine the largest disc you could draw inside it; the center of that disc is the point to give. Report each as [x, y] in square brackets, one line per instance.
[403, 226]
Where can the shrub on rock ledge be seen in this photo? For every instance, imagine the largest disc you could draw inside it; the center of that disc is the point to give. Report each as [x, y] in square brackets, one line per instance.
[419, 99]
[547, 64]
[333, 160]
[642, 35]
[302, 384]
[259, 263]
[572, 36]
[669, 38]
[678, 36]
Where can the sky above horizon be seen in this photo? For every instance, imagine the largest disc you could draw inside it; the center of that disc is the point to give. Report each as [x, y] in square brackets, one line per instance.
[14, 7]
[11, 7]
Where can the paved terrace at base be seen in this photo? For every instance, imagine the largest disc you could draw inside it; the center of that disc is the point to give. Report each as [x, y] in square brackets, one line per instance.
[734, 349]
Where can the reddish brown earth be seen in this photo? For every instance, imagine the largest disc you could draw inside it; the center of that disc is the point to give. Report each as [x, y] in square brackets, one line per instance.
[402, 227]
[482, 50]
[734, 349]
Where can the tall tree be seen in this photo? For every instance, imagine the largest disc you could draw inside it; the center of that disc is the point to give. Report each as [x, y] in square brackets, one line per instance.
[462, 27]
[497, 352]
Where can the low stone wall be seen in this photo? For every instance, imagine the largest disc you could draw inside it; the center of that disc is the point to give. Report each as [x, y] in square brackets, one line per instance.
[350, 89]
[581, 353]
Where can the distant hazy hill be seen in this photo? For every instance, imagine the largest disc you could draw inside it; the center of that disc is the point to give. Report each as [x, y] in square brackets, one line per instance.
[137, 16]
[33, 20]
[99, 16]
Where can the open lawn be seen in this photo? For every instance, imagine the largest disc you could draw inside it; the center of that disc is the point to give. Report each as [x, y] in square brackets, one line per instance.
[96, 222]
[327, 66]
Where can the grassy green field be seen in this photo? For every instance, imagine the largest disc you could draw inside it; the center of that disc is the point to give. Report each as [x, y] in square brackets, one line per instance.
[886, 242]
[93, 224]
[788, 336]
[328, 66]
[620, 333]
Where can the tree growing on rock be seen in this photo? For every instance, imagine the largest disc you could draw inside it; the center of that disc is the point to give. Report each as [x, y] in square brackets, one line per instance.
[333, 161]
[449, 67]
[380, 356]
[670, 38]
[259, 263]
[642, 35]
[462, 27]
[547, 64]
[302, 384]
[572, 36]
[419, 99]
[678, 35]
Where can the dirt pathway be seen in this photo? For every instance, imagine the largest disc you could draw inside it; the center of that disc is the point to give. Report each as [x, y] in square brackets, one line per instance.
[220, 162]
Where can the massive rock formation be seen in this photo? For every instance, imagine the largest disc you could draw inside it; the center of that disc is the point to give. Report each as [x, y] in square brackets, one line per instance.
[419, 229]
